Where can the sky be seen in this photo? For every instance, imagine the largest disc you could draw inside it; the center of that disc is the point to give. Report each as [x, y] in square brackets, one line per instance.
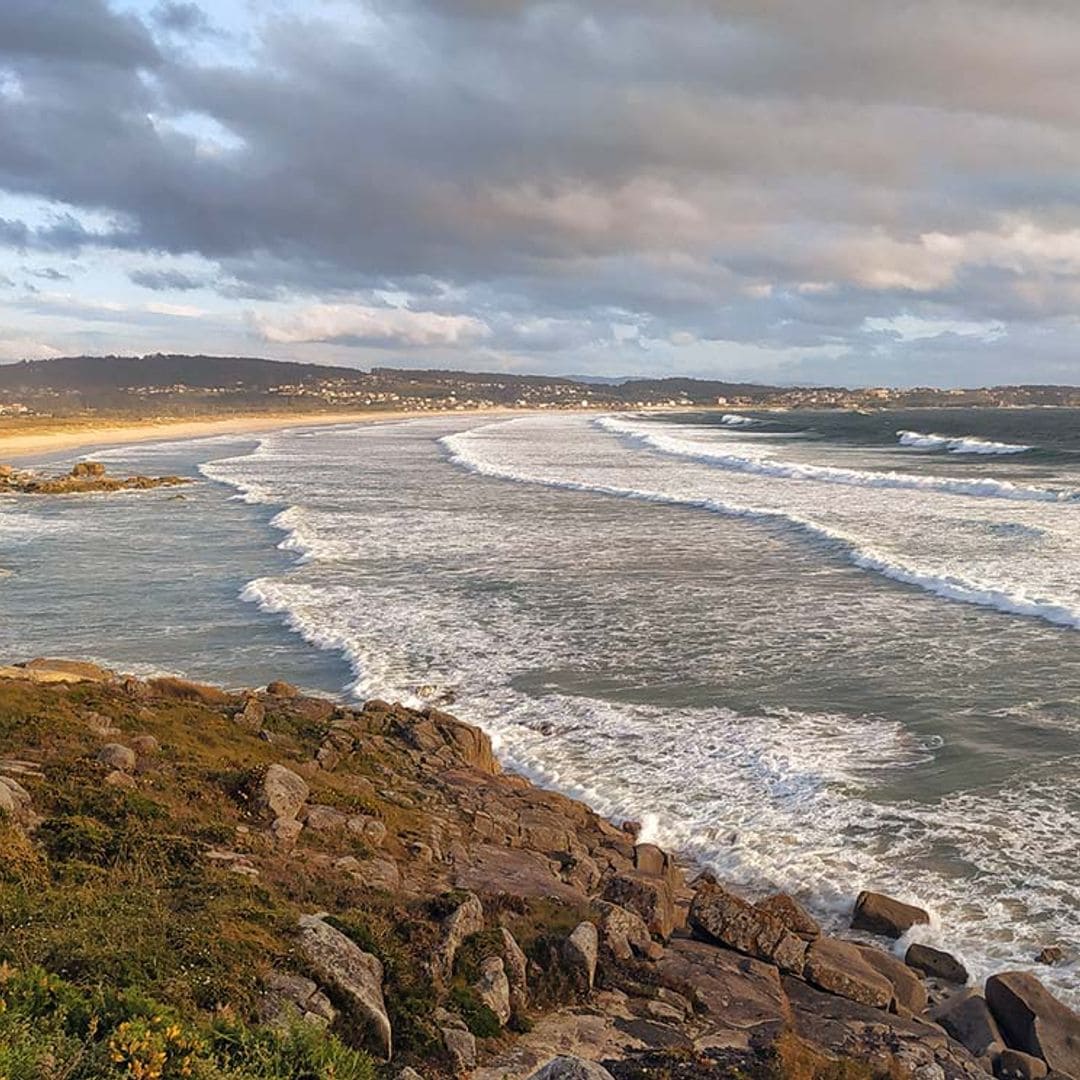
[866, 192]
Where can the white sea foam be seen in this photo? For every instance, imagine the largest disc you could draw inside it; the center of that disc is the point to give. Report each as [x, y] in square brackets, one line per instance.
[958, 444]
[462, 449]
[772, 798]
[757, 459]
[735, 420]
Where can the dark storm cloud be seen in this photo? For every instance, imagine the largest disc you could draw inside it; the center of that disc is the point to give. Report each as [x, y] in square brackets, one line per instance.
[751, 171]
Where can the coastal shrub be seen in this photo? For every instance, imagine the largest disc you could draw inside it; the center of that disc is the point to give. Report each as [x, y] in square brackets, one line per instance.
[52, 1028]
[474, 950]
[479, 1019]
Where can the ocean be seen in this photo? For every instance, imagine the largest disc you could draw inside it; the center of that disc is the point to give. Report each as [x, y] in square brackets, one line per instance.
[816, 651]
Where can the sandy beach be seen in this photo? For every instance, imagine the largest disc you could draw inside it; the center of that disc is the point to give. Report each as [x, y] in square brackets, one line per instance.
[16, 445]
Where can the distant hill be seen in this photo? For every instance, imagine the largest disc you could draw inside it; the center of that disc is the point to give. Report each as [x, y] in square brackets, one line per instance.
[89, 373]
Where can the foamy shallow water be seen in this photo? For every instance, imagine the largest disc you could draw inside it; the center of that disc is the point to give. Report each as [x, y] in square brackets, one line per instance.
[727, 653]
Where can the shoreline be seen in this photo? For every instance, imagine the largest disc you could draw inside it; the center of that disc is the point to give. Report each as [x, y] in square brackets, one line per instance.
[15, 447]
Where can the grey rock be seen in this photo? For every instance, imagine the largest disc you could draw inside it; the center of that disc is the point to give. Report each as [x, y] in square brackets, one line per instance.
[464, 921]
[580, 951]
[517, 968]
[566, 1067]
[968, 1019]
[117, 756]
[461, 1048]
[282, 793]
[493, 987]
[354, 975]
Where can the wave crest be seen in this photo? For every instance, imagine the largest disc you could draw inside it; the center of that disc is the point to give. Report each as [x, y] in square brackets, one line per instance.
[959, 444]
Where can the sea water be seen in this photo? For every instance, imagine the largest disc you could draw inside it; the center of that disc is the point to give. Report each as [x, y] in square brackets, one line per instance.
[817, 651]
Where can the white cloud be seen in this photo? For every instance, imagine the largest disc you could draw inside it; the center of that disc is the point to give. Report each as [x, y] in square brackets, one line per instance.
[369, 325]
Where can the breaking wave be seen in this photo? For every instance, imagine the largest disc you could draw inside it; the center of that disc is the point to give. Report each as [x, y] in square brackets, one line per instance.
[947, 586]
[754, 460]
[959, 444]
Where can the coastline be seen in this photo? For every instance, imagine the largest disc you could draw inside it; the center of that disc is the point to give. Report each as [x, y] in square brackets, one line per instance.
[18, 446]
[337, 837]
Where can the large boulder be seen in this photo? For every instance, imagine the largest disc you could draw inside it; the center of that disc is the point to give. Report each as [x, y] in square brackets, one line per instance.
[909, 991]
[354, 975]
[282, 793]
[580, 951]
[879, 914]
[936, 964]
[566, 1067]
[1034, 1021]
[839, 968]
[648, 897]
[722, 916]
[968, 1019]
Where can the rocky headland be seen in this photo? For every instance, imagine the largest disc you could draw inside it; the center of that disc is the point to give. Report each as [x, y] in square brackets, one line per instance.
[199, 883]
[85, 477]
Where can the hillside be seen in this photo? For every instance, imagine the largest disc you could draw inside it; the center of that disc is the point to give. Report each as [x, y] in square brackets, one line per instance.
[261, 884]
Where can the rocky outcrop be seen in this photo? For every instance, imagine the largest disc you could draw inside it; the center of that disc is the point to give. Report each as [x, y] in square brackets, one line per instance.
[85, 477]
[1034, 1021]
[287, 997]
[879, 914]
[724, 917]
[355, 976]
[625, 933]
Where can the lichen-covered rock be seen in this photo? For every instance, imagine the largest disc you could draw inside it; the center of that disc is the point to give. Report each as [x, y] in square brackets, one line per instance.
[282, 792]
[566, 1067]
[354, 975]
[724, 917]
[1034, 1021]
[880, 914]
[839, 968]
[517, 970]
[371, 830]
[320, 818]
[493, 987]
[288, 997]
[460, 1047]
[623, 932]
[648, 897]
[792, 914]
[464, 921]
[580, 951]
[117, 756]
[286, 831]
[145, 745]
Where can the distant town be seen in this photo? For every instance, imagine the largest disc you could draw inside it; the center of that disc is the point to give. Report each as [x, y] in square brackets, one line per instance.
[171, 386]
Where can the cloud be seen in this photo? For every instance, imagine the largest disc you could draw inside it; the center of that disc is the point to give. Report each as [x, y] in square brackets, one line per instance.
[752, 177]
[165, 280]
[354, 324]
